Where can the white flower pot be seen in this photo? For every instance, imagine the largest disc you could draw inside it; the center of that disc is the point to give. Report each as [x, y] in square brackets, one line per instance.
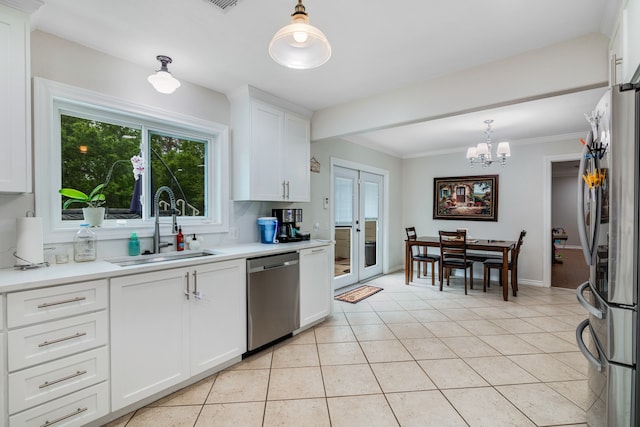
[93, 216]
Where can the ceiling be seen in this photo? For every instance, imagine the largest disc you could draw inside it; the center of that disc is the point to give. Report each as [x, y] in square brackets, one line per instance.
[377, 47]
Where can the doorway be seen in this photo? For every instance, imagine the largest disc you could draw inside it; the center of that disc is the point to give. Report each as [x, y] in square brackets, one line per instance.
[564, 263]
[358, 225]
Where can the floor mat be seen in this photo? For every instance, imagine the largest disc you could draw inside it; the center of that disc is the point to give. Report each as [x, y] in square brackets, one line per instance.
[358, 294]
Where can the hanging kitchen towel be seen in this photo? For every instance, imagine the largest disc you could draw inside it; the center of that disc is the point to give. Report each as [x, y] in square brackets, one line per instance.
[29, 241]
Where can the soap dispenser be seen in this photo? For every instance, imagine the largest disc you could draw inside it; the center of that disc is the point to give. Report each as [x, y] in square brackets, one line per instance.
[194, 243]
[134, 245]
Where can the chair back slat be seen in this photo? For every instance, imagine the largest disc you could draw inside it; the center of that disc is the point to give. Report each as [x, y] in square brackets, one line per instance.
[453, 244]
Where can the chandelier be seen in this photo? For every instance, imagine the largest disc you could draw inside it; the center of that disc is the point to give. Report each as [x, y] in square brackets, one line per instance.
[482, 152]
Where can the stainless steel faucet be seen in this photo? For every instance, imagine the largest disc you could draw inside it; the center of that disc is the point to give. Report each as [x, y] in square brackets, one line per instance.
[156, 212]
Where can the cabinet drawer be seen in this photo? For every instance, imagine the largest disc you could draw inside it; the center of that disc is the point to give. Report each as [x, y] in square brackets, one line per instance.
[40, 384]
[40, 305]
[48, 341]
[76, 409]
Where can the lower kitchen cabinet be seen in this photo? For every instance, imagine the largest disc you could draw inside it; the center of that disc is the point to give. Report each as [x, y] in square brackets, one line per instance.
[73, 410]
[218, 320]
[315, 284]
[3, 411]
[169, 325]
[57, 355]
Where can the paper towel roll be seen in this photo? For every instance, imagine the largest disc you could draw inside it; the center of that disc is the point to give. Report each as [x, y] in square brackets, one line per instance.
[29, 241]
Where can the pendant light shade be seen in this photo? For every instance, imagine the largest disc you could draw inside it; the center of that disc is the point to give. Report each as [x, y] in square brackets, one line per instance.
[162, 80]
[300, 45]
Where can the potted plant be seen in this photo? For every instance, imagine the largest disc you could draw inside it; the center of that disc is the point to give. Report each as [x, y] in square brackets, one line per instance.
[93, 211]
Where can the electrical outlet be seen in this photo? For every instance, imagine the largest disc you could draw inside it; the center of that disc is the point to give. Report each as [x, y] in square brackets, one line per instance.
[233, 233]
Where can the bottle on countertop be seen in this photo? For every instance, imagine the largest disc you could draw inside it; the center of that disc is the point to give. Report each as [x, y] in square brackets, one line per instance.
[180, 240]
[134, 245]
[85, 244]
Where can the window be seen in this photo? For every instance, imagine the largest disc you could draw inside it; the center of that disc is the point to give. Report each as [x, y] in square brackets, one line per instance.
[84, 139]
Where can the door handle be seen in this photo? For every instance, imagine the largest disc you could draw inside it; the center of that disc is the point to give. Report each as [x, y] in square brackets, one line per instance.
[186, 292]
[583, 348]
[583, 301]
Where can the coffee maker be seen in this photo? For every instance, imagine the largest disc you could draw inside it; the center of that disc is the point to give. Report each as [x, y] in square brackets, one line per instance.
[288, 228]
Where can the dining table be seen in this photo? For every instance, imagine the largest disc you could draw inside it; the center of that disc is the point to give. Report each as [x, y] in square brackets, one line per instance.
[501, 246]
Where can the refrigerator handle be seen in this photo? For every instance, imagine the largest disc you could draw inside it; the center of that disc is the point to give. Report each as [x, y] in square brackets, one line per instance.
[583, 348]
[583, 301]
[587, 242]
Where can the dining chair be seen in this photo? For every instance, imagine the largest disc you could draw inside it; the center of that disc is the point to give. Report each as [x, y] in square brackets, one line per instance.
[453, 254]
[512, 265]
[421, 257]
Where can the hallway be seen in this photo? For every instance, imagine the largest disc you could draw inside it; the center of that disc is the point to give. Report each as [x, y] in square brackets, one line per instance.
[572, 272]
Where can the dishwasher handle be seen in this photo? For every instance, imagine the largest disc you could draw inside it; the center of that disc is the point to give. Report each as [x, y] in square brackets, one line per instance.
[273, 266]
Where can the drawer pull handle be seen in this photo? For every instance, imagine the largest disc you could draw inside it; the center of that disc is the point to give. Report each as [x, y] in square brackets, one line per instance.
[64, 417]
[59, 380]
[67, 301]
[76, 335]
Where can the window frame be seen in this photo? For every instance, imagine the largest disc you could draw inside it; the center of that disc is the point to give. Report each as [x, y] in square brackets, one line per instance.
[52, 97]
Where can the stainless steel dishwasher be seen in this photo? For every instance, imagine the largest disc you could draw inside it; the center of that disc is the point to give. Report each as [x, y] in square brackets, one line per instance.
[273, 298]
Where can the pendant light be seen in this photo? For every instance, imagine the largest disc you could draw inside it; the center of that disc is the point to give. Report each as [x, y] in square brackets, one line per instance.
[300, 45]
[162, 80]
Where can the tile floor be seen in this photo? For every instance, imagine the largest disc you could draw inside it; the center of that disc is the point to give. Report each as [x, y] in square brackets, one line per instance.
[408, 356]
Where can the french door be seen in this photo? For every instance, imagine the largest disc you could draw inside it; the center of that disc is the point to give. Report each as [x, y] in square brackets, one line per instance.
[358, 225]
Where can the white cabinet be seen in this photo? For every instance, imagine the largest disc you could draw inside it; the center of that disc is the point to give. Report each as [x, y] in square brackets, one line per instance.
[271, 148]
[218, 329]
[631, 41]
[58, 357]
[169, 325]
[315, 284]
[3, 412]
[15, 110]
[149, 332]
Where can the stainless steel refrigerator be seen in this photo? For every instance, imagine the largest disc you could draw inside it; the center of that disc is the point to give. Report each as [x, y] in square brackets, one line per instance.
[608, 228]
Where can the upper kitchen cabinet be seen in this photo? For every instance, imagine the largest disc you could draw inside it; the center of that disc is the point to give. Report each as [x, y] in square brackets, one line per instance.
[624, 48]
[631, 41]
[271, 147]
[15, 108]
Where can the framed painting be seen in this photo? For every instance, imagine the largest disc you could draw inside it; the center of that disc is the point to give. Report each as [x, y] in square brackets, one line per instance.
[472, 198]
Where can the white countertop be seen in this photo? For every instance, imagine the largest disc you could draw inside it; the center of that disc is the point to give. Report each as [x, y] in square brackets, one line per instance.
[16, 280]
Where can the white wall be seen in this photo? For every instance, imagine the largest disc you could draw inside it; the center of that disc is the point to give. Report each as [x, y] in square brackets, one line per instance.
[321, 186]
[520, 199]
[57, 59]
[564, 207]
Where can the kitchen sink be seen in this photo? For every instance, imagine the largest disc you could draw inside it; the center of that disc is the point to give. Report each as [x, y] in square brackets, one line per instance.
[161, 257]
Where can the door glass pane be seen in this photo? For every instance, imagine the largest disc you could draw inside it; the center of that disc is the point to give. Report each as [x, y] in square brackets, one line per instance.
[343, 250]
[343, 194]
[371, 215]
[344, 201]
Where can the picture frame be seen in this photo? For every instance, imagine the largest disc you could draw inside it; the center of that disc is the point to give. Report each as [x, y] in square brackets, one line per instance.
[470, 198]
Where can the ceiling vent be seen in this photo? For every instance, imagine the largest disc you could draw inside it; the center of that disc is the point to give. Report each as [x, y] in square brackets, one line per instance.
[223, 4]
